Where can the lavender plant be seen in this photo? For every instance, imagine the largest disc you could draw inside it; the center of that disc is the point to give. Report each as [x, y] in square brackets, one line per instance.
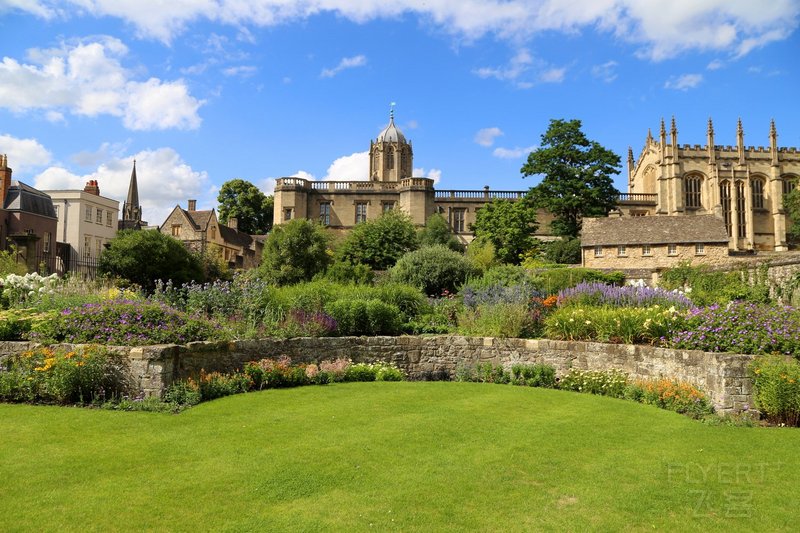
[600, 294]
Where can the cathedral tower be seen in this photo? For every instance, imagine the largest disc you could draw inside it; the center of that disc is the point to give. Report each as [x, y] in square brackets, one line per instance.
[390, 156]
[131, 210]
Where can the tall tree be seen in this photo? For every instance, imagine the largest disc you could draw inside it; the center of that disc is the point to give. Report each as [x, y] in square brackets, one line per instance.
[576, 174]
[509, 226]
[379, 243]
[295, 252]
[242, 200]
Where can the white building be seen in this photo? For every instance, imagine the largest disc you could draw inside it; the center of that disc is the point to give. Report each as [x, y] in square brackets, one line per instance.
[86, 220]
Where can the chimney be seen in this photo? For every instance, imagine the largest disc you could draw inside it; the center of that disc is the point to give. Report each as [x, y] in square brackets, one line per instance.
[5, 178]
[92, 187]
[192, 205]
[233, 223]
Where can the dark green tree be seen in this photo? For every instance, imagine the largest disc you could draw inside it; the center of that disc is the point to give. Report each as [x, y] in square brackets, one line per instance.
[144, 257]
[791, 202]
[576, 174]
[242, 200]
[437, 231]
[565, 251]
[379, 243]
[509, 226]
[295, 252]
[433, 269]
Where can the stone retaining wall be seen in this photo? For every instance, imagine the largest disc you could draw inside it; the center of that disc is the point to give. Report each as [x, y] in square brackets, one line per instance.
[723, 376]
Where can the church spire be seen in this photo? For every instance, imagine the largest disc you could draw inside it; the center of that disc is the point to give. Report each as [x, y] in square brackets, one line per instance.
[131, 210]
[673, 133]
[630, 163]
[662, 138]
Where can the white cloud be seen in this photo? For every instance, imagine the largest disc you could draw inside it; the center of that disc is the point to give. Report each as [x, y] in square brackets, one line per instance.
[523, 70]
[606, 72]
[304, 175]
[435, 174]
[242, 70]
[353, 167]
[553, 75]
[518, 65]
[344, 64]
[684, 82]
[486, 136]
[734, 26]
[24, 154]
[715, 65]
[512, 153]
[86, 78]
[164, 180]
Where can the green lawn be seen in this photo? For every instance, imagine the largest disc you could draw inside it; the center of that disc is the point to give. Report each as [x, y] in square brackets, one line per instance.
[394, 456]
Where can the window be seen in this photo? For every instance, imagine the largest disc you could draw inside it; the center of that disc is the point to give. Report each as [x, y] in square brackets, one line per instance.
[87, 246]
[757, 187]
[88, 217]
[692, 185]
[176, 230]
[99, 218]
[459, 218]
[741, 215]
[388, 206]
[672, 249]
[646, 250]
[108, 218]
[789, 185]
[725, 200]
[389, 159]
[598, 251]
[325, 213]
[699, 249]
[622, 251]
[361, 212]
[98, 246]
[46, 242]
[287, 213]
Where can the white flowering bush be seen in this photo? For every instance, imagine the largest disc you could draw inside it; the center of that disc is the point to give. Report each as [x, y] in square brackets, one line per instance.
[19, 290]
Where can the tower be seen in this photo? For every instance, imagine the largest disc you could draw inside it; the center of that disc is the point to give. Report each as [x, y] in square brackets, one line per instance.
[131, 210]
[390, 155]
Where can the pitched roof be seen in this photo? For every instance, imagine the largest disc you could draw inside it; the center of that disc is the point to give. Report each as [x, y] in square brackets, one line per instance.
[233, 236]
[678, 229]
[200, 219]
[24, 198]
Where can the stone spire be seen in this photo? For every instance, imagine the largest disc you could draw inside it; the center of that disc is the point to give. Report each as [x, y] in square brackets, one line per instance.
[131, 210]
[673, 133]
[649, 139]
[630, 163]
[740, 140]
[773, 141]
[710, 142]
[662, 138]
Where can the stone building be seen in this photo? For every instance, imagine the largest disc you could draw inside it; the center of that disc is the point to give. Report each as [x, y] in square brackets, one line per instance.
[340, 205]
[27, 220]
[201, 232]
[742, 185]
[86, 221]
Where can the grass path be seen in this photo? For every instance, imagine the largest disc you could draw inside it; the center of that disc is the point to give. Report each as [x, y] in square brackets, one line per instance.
[393, 456]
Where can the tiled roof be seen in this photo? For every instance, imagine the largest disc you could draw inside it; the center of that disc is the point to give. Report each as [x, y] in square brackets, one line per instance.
[678, 229]
[200, 219]
[233, 236]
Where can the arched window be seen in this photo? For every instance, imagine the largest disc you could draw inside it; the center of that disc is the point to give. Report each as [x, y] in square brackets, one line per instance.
[789, 184]
[741, 216]
[692, 189]
[757, 188]
[390, 158]
[725, 200]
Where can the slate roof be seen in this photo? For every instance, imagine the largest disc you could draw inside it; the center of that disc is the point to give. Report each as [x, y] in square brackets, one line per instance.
[200, 219]
[26, 199]
[678, 229]
[233, 236]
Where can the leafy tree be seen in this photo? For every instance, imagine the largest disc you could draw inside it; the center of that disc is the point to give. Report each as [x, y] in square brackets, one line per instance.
[509, 226]
[565, 251]
[242, 200]
[433, 269]
[481, 252]
[379, 243]
[144, 257]
[577, 176]
[791, 202]
[295, 252]
[437, 231]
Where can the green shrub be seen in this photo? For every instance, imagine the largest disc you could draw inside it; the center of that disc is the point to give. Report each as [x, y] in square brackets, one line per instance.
[705, 287]
[347, 272]
[365, 317]
[360, 372]
[554, 280]
[606, 383]
[433, 269]
[183, 392]
[510, 320]
[502, 275]
[482, 373]
[294, 252]
[565, 251]
[626, 325]
[379, 243]
[537, 375]
[212, 385]
[121, 322]
[776, 384]
[43, 375]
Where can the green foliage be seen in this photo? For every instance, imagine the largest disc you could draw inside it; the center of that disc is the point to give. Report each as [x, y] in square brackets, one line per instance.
[43, 375]
[9, 264]
[577, 176]
[379, 243]
[294, 252]
[509, 226]
[481, 253]
[143, 257]
[791, 203]
[437, 231]
[504, 275]
[511, 320]
[537, 375]
[347, 272]
[554, 280]
[183, 393]
[433, 269]
[613, 324]
[565, 251]
[606, 383]
[365, 317]
[705, 287]
[776, 385]
[242, 200]
[482, 373]
[122, 323]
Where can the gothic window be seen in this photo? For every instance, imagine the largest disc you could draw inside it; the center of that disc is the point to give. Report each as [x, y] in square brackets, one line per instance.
[757, 186]
[725, 200]
[361, 212]
[789, 184]
[741, 215]
[390, 159]
[325, 213]
[692, 185]
[459, 219]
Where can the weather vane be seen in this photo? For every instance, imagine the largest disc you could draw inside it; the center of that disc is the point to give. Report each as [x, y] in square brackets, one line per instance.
[391, 110]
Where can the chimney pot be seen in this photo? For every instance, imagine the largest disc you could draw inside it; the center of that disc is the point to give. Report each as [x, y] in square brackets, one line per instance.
[233, 223]
[192, 205]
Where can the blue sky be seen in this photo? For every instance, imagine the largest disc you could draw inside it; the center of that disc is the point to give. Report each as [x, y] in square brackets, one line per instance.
[204, 91]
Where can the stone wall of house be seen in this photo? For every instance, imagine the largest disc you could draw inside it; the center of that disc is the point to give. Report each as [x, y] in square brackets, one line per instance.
[714, 254]
[723, 376]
